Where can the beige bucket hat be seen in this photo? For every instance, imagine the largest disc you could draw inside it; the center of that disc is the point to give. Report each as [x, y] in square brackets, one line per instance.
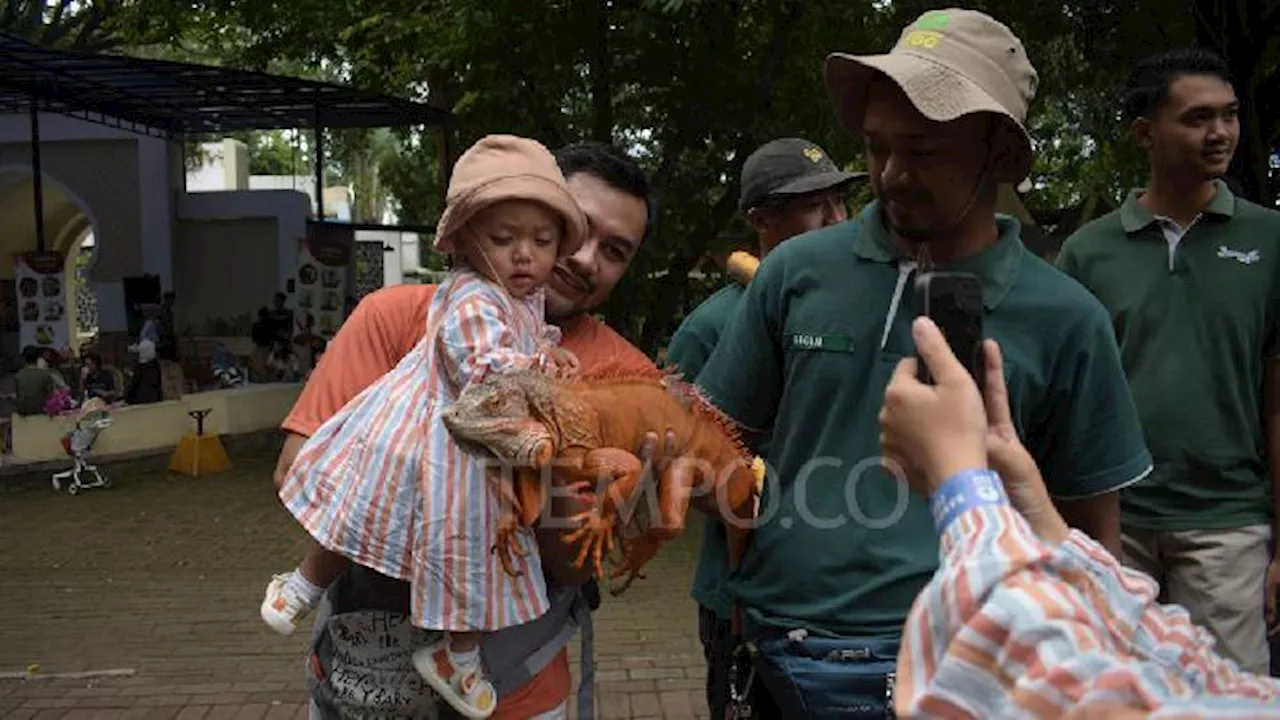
[507, 167]
[949, 63]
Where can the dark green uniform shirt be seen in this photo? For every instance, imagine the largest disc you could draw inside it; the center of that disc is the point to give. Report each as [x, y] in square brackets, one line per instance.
[33, 386]
[1196, 324]
[843, 547]
[689, 349]
[697, 336]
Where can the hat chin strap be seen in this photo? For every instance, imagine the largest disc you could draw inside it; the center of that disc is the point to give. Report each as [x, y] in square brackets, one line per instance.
[973, 199]
[923, 260]
[488, 263]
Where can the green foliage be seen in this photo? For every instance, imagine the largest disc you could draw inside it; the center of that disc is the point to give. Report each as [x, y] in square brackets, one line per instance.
[86, 26]
[689, 87]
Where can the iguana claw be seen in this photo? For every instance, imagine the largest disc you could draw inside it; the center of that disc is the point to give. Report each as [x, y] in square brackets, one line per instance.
[596, 534]
[508, 545]
[635, 555]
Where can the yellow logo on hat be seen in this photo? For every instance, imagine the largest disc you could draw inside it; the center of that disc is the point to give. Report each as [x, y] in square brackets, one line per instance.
[925, 32]
[813, 154]
[922, 39]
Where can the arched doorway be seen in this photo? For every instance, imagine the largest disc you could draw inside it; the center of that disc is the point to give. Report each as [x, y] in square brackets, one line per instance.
[69, 226]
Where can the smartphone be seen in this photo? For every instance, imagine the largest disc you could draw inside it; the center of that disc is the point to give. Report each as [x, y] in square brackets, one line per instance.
[954, 302]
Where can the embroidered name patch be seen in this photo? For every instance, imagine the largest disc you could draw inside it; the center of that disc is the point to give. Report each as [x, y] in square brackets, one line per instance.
[829, 343]
[1246, 258]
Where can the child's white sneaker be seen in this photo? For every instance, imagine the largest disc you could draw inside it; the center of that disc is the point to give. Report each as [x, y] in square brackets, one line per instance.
[466, 690]
[283, 605]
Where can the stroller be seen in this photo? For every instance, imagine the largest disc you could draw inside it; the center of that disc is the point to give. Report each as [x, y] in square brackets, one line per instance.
[90, 420]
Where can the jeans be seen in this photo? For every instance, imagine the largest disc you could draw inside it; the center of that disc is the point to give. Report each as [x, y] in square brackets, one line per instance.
[804, 676]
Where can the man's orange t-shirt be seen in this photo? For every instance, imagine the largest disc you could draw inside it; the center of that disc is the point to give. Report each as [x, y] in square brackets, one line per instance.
[383, 328]
[388, 323]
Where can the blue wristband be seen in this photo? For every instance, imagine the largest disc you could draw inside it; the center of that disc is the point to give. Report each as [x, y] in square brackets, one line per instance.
[964, 491]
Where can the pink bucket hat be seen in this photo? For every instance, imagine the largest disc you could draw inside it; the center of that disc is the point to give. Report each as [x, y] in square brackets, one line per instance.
[506, 167]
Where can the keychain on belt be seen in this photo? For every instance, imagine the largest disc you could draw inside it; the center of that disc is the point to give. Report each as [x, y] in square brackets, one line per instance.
[742, 664]
[888, 695]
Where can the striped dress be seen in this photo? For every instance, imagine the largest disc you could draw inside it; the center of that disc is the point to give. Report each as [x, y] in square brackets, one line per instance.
[382, 483]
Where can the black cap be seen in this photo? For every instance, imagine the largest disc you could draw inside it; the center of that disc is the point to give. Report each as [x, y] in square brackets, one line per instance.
[788, 166]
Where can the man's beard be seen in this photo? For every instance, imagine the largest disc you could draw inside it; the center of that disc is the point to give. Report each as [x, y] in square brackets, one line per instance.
[560, 307]
[915, 235]
[906, 198]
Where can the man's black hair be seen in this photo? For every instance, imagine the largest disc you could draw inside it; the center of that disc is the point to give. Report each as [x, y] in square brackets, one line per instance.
[31, 354]
[611, 165]
[1149, 82]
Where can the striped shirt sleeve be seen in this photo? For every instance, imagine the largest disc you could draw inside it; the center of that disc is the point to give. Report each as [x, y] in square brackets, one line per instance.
[478, 338]
[1013, 626]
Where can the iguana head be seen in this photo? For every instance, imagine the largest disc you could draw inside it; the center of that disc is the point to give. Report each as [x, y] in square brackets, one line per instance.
[507, 416]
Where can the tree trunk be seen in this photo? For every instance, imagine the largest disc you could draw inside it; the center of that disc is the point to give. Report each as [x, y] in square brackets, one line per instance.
[601, 64]
[440, 94]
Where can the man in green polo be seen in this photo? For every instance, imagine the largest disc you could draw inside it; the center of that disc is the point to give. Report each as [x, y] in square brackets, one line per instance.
[842, 547]
[1191, 276]
[788, 186]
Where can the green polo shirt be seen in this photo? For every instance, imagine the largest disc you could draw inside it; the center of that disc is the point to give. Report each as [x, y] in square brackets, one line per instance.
[32, 386]
[697, 336]
[689, 349]
[1196, 325]
[842, 546]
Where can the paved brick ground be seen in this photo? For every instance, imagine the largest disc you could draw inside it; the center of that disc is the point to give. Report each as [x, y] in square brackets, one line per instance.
[162, 575]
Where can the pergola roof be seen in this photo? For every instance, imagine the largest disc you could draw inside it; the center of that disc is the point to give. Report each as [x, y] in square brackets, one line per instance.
[177, 98]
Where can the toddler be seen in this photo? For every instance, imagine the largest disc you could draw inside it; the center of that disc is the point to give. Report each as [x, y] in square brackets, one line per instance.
[383, 484]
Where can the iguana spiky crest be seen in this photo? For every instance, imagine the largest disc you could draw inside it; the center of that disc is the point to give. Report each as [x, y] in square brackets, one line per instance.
[690, 395]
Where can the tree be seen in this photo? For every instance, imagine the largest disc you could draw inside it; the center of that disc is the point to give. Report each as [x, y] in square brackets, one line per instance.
[690, 88]
[1243, 32]
[92, 26]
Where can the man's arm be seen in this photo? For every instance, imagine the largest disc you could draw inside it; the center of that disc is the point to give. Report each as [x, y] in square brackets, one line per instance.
[1097, 516]
[288, 453]
[743, 375]
[688, 350]
[1049, 627]
[1092, 443]
[1025, 616]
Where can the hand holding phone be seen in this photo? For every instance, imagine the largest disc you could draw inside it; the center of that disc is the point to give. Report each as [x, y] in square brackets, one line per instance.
[954, 302]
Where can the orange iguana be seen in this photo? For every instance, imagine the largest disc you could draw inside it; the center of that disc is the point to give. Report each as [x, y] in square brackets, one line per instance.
[586, 430]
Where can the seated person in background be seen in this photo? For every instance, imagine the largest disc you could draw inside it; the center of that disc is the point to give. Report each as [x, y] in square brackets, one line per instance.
[96, 382]
[263, 334]
[32, 384]
[282, 363]
[225, 371]
[51, 362]
[1027, 617]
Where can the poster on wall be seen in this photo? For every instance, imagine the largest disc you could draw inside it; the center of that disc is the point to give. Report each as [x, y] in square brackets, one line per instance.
[320, 291]
[43, 320]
